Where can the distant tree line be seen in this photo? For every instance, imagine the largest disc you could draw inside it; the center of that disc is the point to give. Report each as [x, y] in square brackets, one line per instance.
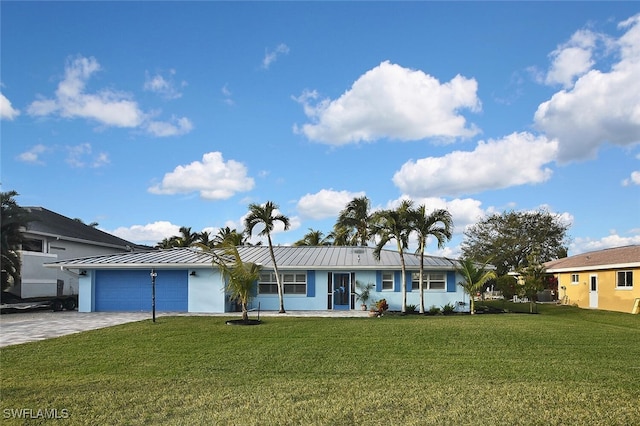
[510, 241]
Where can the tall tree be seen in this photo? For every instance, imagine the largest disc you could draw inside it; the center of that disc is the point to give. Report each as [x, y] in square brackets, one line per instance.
[13, 218]
[186, 237]
[313, 238]
[267, 216]
[533, 276]
[438, 224]
[341, 236]
[509, 238]
[227, 234]
[356, 217]
[395, 225]
[475, 276]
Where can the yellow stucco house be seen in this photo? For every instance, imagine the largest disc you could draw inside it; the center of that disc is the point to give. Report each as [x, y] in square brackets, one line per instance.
[606, 279]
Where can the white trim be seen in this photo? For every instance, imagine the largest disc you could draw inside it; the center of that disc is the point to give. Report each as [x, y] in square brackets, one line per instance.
[593, 268]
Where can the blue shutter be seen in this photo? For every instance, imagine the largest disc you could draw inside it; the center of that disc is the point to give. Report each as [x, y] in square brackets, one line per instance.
[397, 277]
[451, 281]
[378, 281]
[311, 284]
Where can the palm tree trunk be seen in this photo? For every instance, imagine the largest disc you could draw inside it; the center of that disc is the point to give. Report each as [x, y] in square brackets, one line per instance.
[275, 267]
[404, 284]
[421, 278]
[245, 313]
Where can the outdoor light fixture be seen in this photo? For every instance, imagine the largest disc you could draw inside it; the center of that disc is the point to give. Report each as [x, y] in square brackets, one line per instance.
[193, 273]
[83, 273]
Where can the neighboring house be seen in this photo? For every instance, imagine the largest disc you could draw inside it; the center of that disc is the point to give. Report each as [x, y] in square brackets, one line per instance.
[48, 237]
[314, 278]
[606, 279]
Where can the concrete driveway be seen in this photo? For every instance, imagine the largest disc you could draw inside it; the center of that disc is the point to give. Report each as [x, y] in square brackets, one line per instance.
[22, 327]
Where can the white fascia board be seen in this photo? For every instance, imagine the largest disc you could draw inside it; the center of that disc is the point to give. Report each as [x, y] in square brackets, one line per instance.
[594, 268]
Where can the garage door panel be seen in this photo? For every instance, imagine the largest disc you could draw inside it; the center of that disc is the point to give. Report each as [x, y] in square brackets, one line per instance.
[130, 291]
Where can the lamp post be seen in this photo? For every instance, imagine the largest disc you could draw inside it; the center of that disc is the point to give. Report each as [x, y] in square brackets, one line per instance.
[153, 293]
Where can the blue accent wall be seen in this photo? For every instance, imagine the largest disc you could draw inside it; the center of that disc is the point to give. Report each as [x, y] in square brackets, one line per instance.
[451, 282]
[311, 283]
[130, 290]
[397, 281]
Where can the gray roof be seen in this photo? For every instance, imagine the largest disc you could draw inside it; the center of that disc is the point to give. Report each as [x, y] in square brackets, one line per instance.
[47, 223]
[287, 257]
[627, 256]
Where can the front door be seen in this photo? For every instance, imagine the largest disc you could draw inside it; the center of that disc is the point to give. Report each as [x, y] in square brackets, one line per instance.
[341, 291]
[593, 291]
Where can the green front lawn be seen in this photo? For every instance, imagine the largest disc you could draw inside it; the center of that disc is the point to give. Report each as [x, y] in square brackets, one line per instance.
[564, 366]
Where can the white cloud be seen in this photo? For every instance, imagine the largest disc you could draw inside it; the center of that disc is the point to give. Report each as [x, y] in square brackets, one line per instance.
[584, 245]
[272, 55]
[107, 107]
[80, 156]
[572, 59]
[33, 155]
[634, 179]
[602, 106]
[325, 203]
[175, 127]
[164, 86]
[214, 178]
[523, 157]
[7, 111]
[150, 234]
[390, 101]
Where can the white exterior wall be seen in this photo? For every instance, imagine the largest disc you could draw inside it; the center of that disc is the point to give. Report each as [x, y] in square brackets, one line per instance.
[87, 289]
[206, 292]
[38, 281]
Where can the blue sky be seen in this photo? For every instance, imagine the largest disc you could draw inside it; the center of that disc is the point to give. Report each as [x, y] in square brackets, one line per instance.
[148, 116]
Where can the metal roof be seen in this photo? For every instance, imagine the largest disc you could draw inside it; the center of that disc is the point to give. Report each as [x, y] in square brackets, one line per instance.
[287, 257]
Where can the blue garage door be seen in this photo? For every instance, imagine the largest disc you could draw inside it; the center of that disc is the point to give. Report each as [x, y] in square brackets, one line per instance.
[130, 291]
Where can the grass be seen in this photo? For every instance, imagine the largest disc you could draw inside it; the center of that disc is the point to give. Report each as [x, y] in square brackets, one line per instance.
[564, 366]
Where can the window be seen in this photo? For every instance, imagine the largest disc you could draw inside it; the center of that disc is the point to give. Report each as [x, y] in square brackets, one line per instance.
[292, 282]
[625, 279]
[32, 244]
[431, 281]
[575, 278]
[387, 280]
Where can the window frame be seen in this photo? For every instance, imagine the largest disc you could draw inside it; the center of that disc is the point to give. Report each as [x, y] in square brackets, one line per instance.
[383, 281]
[628, 280]
[427, 280]
[577, 279]
[294, 280]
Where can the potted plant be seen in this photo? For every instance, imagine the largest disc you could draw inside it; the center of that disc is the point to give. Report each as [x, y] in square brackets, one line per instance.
[364, 293]
[380, 307]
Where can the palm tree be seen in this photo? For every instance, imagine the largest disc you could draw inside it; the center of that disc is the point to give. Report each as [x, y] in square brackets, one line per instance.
[313, 238]
[240, 277]
[340, 235]
[227, 234]
[13, 218]
[204, 238]
[395, 225]
[187, 238]
[438, 224]
[355, 216]
[267, 215]
[475, 277]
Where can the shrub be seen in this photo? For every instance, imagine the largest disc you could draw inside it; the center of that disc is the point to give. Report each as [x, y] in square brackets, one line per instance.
[448, 309]
[433, 310]
[411, 309]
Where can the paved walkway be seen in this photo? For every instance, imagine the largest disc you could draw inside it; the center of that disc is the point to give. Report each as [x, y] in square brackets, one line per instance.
[25, 327]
